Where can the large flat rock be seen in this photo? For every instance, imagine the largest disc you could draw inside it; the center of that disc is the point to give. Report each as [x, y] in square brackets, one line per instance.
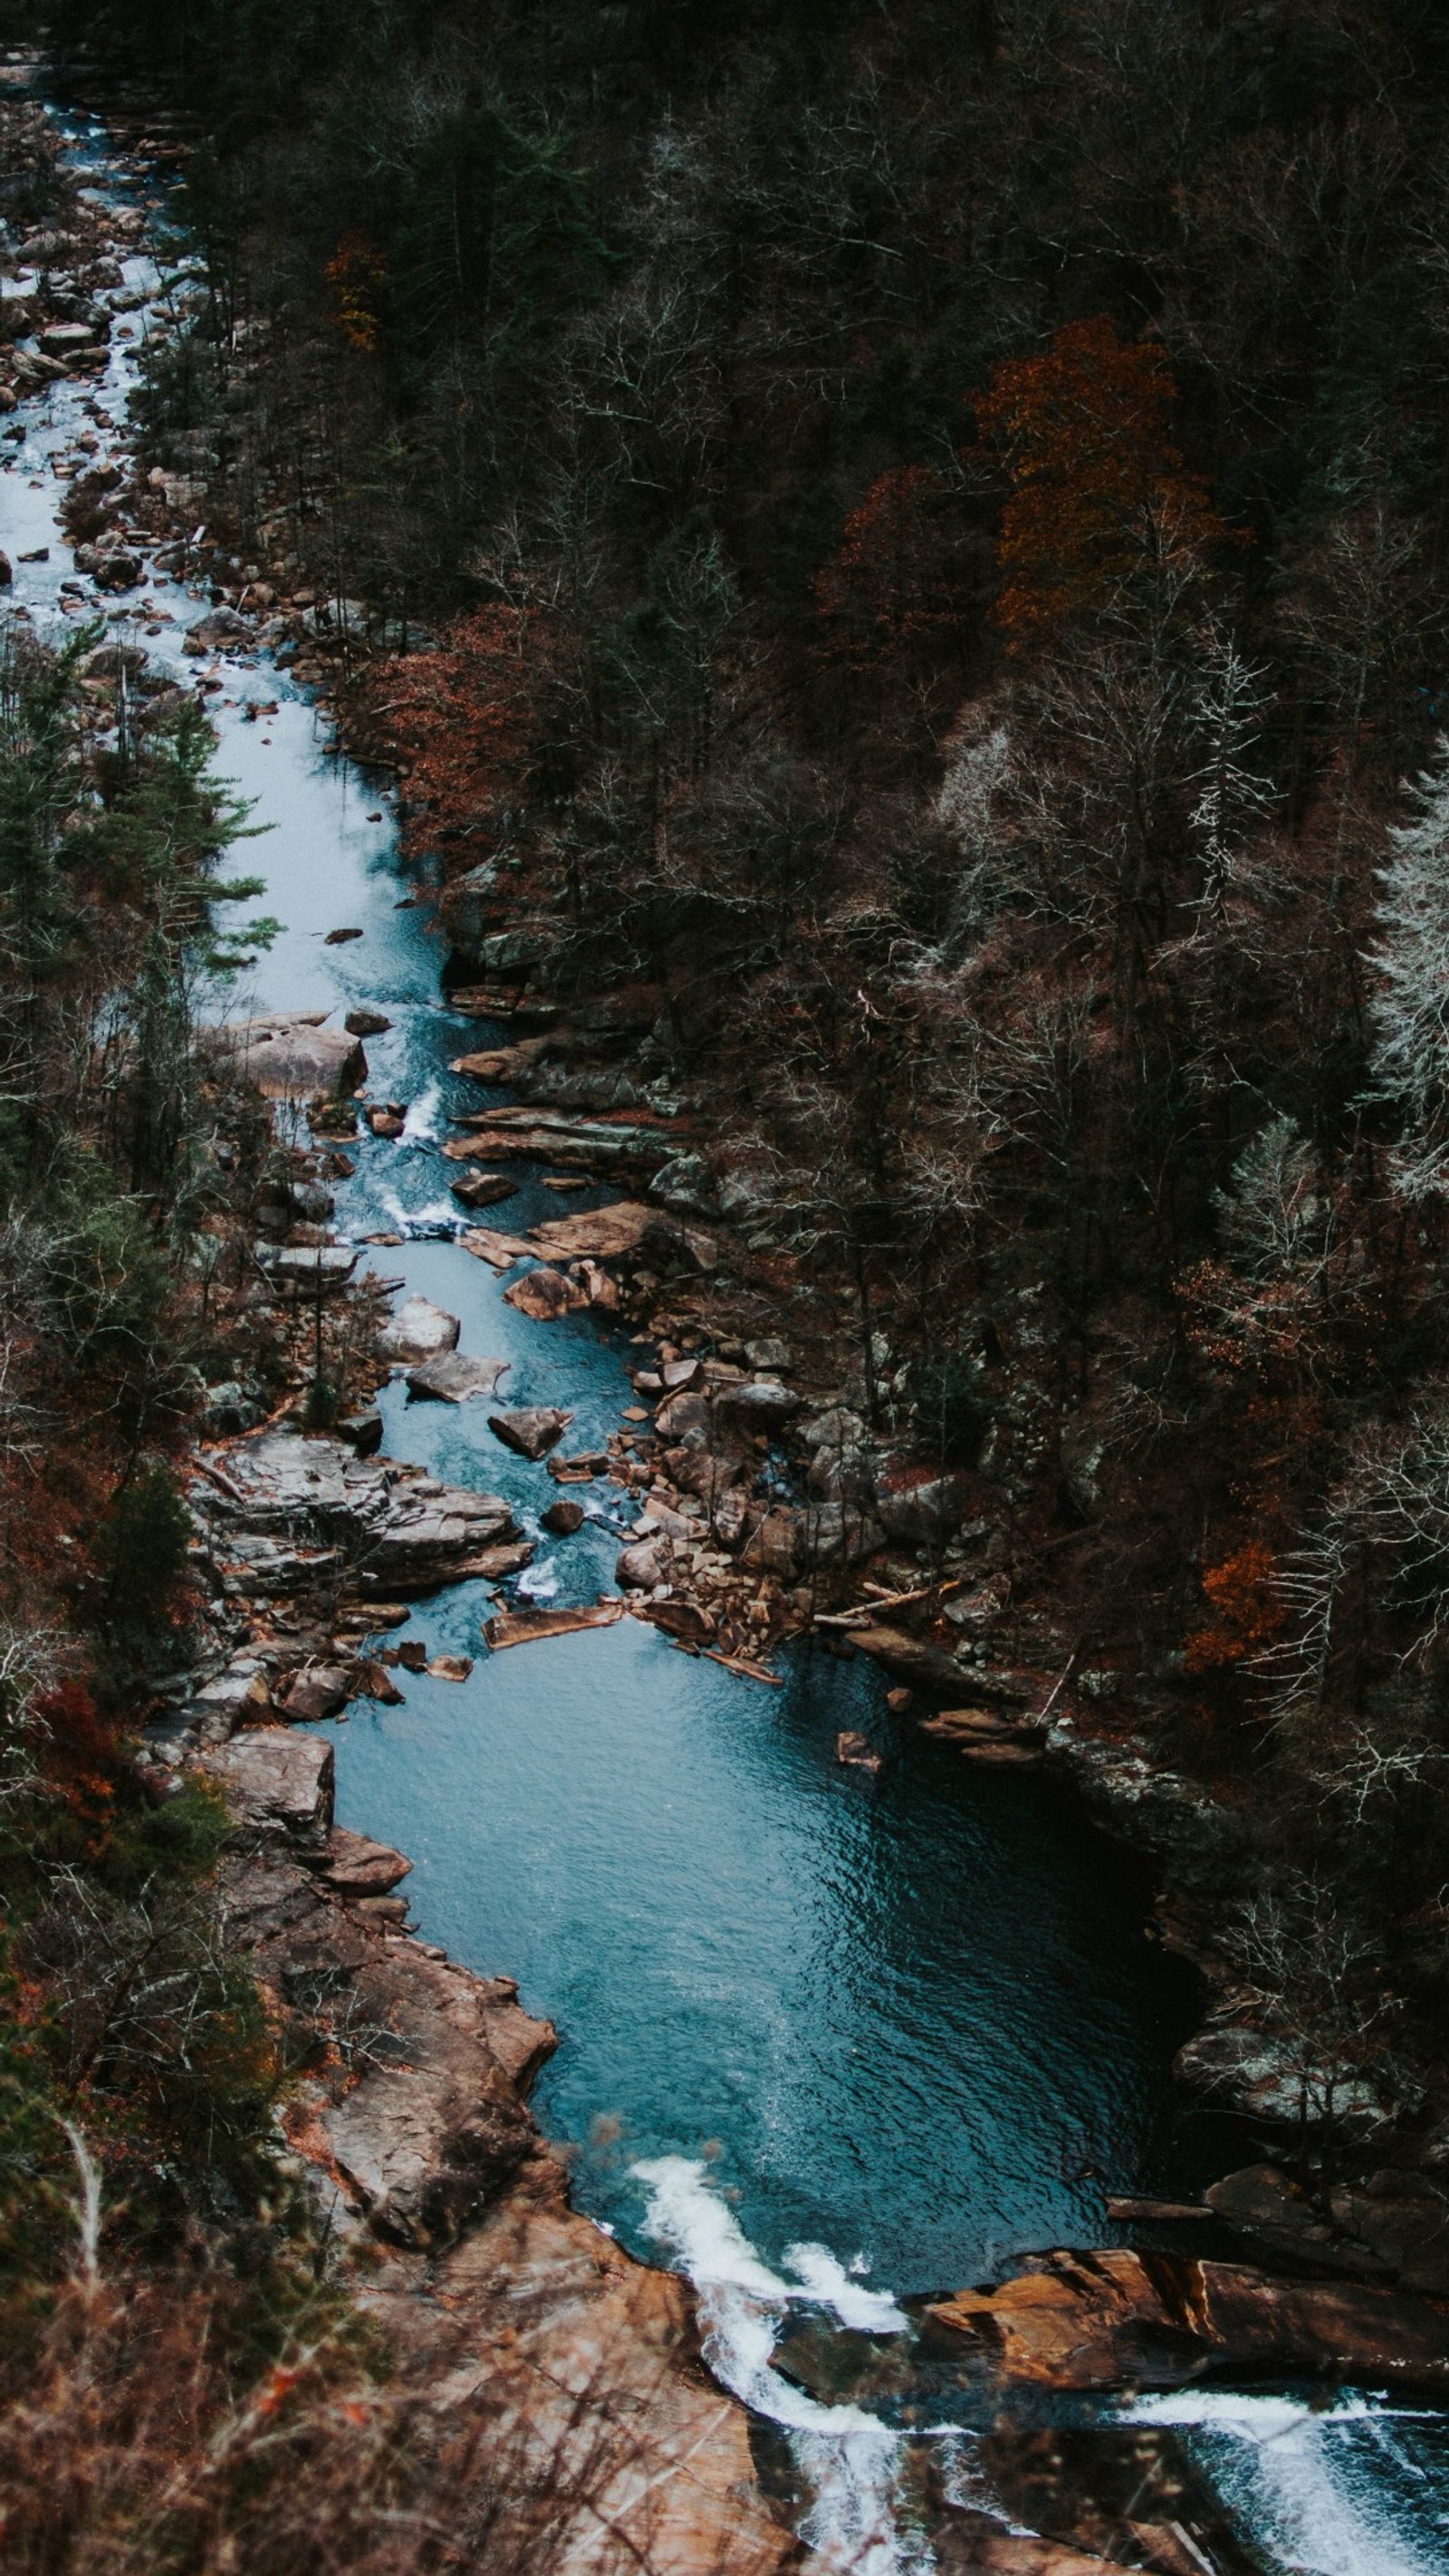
[1119, 2318]
[291, 1511]
[294, 1055]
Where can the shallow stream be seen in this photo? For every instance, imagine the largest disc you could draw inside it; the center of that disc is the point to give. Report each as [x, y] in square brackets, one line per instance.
[827, 2041]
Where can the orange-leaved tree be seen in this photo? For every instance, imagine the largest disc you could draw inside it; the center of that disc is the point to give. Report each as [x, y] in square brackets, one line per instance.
[1247, 1606]
[465, 719]
[890, 582]
[1098, 485]
[357, 275]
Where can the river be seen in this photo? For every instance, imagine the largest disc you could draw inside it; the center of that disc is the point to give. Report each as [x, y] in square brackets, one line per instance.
[828, 2040]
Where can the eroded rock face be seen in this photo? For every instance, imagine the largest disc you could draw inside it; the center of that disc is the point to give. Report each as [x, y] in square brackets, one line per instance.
[294, 1512]
[278, 1781]
[1108, 2319]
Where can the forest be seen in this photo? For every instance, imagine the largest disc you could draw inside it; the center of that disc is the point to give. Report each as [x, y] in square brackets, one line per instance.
[927, 530]
[911, 543]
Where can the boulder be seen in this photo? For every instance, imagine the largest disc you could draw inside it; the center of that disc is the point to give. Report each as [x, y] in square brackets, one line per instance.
[367, 1024]
[1267, 2076]
[276, 1781]
[774, 1546]
[1119, 2317]
[418, 1331]
[119, 570]
[564, 1517]
[220, 628]
[294, 1057]
[318, 1691]
[454, 1376]
[356, 1866]
[307, 1265]
[917, 1508]
[762, 1404]
[484, 1189]
[680, 1414]
[530, 1429]
[293, 1512]
[545, 1294]
[648, 1562]
[7, 571]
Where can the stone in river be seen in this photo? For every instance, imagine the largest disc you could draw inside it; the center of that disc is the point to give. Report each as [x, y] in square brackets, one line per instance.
[7, 572]
[856, 1751]
[119, 571]
[454, 1376]
[481, 1189]
[546, 1294]
[530, 1429]
[450, 1668]
[211, 634]
[387, 1121]
[412, 1654]
[315, 1694]
[418, 1331]
[564, 1517]
[293, 1056]
[338, 938]
[367, 1024]
[649, 1561]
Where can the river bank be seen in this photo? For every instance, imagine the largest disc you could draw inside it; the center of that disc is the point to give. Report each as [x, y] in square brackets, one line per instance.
[710, 1318]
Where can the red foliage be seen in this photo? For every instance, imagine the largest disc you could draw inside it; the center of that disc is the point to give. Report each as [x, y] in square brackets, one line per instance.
[357, 275]
[465, 718]
[891, 581]
[1097, 482]
[78, 1752]
[1247, 1606]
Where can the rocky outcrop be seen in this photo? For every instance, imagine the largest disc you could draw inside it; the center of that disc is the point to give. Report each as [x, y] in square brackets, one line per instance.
[277, 1781]
[454, 1376]
[1122, 2318]
[293, 1055]
[288, 1512]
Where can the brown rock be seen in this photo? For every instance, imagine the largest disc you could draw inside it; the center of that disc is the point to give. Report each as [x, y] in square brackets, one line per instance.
[274, 1779]
[564, 1517]
[857, 1751]
[318, 1692]
[356, 1866]
[528, 1627]
[648, 1562]
[530, 1429]
[546, 1294]
[412, 1654]
[450, 1668]
[481, 1189]
[1108, 2319]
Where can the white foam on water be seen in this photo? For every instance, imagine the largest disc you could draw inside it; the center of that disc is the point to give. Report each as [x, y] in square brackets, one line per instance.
[1309, 2482]
[539, 1583]
[420, 1126]
[852, 2461]
[830, 2285]
[437, 1214]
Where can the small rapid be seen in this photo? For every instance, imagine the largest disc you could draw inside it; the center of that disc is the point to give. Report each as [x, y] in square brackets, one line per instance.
[828, 2042]
[850, 2460]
